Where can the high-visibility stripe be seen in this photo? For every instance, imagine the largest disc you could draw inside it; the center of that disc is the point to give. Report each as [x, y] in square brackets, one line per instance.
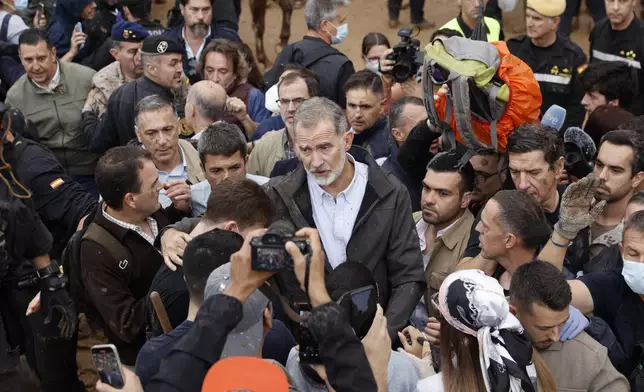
[611, 57]
[552, 78]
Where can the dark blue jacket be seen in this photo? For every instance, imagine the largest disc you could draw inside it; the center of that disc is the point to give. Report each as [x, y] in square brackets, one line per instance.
[67, 14]
[190, 69]
[377, 139]
[413, 187]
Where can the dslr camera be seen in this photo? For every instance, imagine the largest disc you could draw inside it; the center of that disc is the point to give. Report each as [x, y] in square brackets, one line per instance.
[268, 252]
[407, 56]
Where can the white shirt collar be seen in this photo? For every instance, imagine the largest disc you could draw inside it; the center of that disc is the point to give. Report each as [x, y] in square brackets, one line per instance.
[421, 229]
[55, 81]
[360, 170]
[187, 45]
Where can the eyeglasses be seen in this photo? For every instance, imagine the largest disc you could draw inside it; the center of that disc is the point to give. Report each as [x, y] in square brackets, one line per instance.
[482, 176]
[286, 102]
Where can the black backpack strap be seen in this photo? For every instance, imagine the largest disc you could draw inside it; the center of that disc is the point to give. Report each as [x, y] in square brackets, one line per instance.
[99, 235]
[4, 29]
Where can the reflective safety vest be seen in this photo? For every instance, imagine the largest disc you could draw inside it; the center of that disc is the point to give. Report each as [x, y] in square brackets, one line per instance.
[493, 27]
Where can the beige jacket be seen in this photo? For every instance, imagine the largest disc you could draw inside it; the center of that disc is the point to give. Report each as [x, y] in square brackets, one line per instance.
[582, 364]
[268, 150]
[190, 154]
[447, 252]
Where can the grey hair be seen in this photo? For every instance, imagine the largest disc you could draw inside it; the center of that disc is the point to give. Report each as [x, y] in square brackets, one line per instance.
[316, 11]
[315, 110]
[209, 109]
[116, 45]
[152, 103]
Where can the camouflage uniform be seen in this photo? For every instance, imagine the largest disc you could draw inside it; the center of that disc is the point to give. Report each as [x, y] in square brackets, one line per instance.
[104, 83]
[110, 78]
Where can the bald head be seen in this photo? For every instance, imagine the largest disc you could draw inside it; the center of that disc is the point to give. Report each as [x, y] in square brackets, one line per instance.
[205, 102]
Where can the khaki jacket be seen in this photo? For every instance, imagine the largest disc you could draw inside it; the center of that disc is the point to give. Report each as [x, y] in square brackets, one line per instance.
[190, 154]
[268, 150]
[447, 252]
[582, 364]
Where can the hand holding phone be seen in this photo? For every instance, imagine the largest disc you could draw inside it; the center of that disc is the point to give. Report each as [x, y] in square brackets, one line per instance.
[108, 364]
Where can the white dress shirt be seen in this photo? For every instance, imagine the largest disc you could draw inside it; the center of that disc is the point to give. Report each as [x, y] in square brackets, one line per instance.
[421, 229]
[335, 218]
[189, 49]
[201, 193]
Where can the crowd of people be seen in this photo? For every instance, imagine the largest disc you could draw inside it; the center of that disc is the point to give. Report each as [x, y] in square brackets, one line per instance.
[322, 226]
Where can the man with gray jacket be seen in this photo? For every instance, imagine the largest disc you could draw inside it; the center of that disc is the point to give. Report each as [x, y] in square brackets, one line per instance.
[363, 214]
[51, 96]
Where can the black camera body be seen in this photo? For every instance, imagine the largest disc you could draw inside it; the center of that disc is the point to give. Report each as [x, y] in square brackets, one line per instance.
[268, 252]
[407, 56]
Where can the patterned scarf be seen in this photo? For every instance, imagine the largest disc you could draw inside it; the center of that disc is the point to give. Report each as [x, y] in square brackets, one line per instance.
[474, 304]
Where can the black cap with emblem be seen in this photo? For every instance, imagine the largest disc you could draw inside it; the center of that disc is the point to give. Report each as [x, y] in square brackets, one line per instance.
[157, 45]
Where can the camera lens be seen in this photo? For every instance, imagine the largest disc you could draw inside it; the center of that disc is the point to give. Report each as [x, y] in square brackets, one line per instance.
[401, 71]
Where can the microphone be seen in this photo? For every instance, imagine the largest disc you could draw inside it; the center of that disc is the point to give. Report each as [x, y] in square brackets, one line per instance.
[580, 150]
[554, 117]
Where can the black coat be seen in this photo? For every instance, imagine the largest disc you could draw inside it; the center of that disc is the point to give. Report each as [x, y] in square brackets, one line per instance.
[384, 237]
[556, 70]
[185, 368]
[60, 202]
[331, 65]
[116, 128]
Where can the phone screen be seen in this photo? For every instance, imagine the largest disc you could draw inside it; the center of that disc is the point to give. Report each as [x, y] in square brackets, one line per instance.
[108, 365]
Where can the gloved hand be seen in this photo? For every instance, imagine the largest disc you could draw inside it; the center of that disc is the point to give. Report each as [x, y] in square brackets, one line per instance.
[55, 299]
[576, 209]
[575, 324]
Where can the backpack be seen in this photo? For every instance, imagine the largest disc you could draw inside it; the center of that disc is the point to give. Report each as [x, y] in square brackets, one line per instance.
[72, 262]
[295, 55]
[490, 92]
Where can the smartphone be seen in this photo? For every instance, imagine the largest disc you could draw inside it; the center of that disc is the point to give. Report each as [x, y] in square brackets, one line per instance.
[79, 28]
[309, 352]
[108, 364]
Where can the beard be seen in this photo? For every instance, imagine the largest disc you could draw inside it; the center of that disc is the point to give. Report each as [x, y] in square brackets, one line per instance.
[332, 176]
[199, 29]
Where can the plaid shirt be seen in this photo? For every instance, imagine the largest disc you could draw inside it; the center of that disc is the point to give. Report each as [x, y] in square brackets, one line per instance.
[137, 229]
[288, 150]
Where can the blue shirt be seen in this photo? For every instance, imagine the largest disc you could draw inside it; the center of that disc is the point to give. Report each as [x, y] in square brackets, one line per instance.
[149, 359]
[273, 123]
[256, 107]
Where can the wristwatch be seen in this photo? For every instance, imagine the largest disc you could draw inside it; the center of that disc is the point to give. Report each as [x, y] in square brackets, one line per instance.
[51, 269]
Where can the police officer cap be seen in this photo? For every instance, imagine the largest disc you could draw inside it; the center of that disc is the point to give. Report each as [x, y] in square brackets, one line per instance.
[128, 32]
[549, 8]
[157, 44]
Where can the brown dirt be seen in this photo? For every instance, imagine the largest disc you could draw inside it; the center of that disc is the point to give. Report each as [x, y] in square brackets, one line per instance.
[365, 16]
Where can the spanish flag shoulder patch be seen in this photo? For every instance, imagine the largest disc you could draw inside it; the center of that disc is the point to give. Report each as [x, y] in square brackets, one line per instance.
[56, 183]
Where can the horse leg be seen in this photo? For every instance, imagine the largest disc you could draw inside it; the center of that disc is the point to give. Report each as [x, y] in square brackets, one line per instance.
[258, 10]
[287, 10]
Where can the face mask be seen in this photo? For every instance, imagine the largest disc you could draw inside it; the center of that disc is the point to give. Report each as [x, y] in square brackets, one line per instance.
[633, 273]
[372, 65]
[341, 35]
[20, 5]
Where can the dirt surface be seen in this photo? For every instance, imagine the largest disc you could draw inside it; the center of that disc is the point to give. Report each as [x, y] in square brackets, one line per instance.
[365, 16]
